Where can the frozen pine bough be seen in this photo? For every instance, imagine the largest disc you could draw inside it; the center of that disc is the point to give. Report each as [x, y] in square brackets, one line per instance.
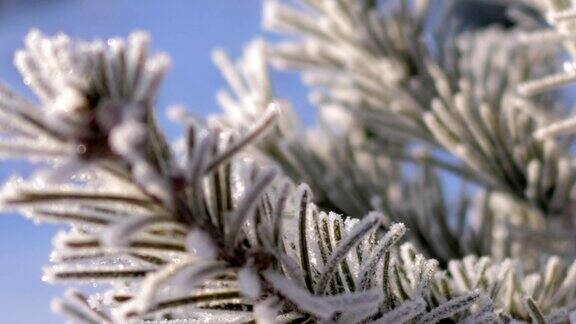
[252, 216]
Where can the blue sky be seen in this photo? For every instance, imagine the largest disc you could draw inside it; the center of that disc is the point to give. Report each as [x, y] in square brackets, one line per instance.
[187, 30]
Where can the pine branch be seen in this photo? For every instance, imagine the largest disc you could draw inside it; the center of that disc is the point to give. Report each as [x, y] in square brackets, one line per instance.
[226, 226]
